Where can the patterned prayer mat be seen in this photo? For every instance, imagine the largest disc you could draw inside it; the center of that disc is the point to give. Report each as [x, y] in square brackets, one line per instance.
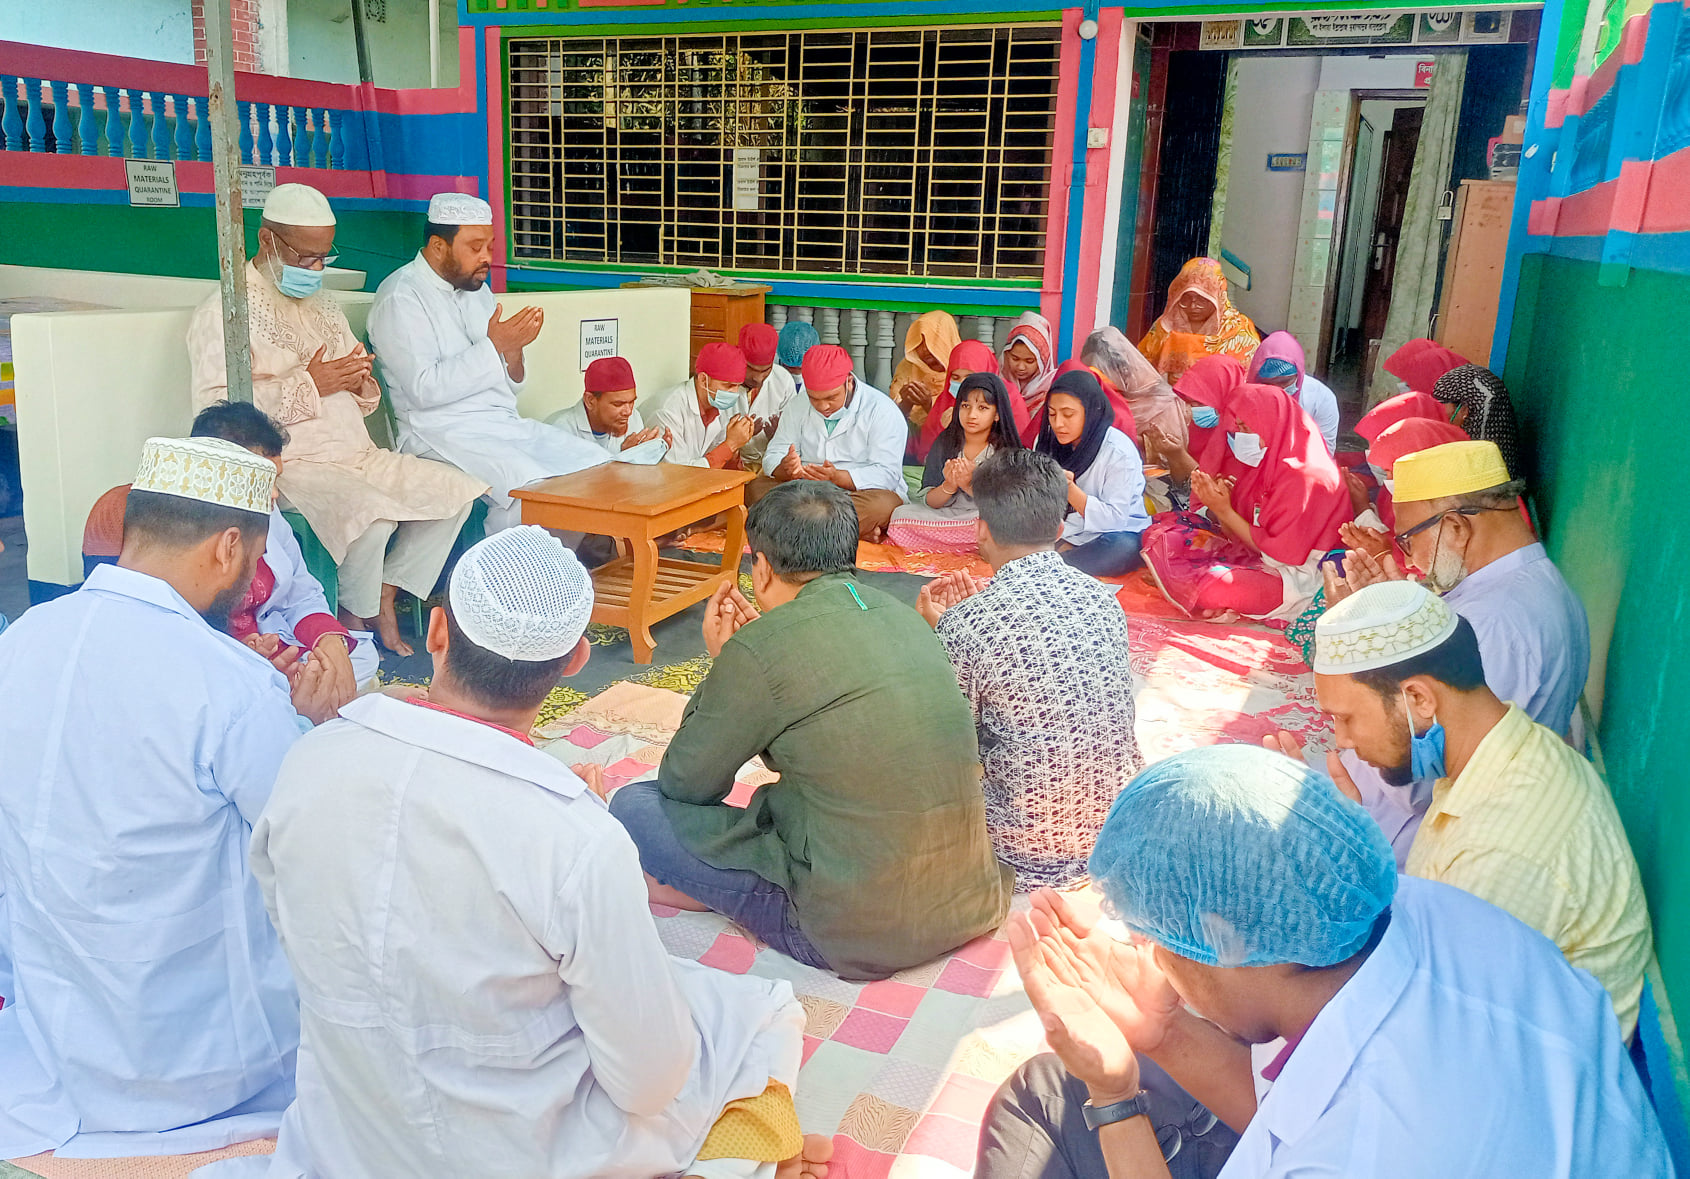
[871, 558]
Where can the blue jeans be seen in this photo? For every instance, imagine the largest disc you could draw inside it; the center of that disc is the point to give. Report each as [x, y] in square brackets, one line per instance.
[1110, 555]
[759, 906]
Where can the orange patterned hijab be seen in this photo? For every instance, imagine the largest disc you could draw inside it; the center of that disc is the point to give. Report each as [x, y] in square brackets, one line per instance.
[1176, 341]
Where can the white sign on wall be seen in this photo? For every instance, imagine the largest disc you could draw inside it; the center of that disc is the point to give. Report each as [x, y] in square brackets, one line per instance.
[152, 182]
[598, 340]
[256, 186]
[748, 177]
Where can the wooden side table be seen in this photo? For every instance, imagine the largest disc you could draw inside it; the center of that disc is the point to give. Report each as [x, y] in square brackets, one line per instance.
[640, 504]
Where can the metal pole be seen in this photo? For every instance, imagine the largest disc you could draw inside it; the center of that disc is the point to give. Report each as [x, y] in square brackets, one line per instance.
[365, 74]
[226, 172]
[434, 42]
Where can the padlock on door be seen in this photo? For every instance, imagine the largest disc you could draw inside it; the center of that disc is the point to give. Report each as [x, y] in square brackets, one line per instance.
[1446, 208]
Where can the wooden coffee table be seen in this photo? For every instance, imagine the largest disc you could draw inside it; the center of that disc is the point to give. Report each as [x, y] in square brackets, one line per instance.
[640, 504]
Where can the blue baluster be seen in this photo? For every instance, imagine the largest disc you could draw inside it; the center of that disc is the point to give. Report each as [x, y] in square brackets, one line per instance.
[301, 137]
[11, 123]
[63, 129]
[161, 128]
[36, 125]
[202, 128]
[114, 120]
[184, 127]
[320, 148]
[265, 142]
[245, 111]
[337, 140]
[137, 126]
[284, 141]
[86, 129]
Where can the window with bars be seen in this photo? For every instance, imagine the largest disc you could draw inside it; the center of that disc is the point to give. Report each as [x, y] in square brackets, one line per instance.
[919, 152]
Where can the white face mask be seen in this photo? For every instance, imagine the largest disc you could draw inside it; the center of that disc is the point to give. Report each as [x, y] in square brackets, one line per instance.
[646, 454]
[1246, 448]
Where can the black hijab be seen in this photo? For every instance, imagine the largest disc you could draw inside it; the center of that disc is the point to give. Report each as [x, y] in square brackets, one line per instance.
[949, 442]
[1490, 414]
[1100, 418]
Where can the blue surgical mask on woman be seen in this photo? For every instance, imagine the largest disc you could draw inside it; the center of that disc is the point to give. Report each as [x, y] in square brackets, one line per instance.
[297, 282]
[1425, 750]
[1246, 448]
[955, 385]
[725, 399]
[1206, 416]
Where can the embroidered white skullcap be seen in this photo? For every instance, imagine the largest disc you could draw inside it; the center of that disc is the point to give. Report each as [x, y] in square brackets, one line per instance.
[521, 594]
[297, 204]
[459, 208]
[1380, 626]
[207, 469]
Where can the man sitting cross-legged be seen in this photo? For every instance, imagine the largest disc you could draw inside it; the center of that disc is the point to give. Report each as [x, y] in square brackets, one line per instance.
[150, 1010]
[1041, 652]
[484, 991]
[870, 854]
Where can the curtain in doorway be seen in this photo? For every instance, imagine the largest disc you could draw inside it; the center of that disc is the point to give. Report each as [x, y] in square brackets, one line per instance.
[1420, 245]
[1223, 162]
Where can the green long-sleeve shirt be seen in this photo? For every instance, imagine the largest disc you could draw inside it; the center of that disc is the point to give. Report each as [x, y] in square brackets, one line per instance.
[877, 827]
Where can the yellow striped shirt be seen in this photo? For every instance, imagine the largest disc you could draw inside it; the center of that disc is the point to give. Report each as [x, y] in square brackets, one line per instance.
[1530, 827]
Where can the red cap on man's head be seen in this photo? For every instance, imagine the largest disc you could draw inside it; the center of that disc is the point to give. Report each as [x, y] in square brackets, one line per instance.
[721, 361]
[758, 342]
[609, 374]
[825, 368]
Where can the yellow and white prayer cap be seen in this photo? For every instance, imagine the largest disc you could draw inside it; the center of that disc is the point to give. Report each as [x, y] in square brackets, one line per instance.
[1380, 626]
[207, 469]
[1455, 468]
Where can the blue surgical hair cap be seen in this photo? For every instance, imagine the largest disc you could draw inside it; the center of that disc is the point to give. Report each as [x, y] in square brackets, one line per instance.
[1275, 367]
[1231, 855]
[796, 338]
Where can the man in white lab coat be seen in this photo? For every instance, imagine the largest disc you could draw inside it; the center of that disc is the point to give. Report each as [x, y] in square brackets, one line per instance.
[844, 432]
[708, 417]
[606, 415]
[151, 1010]
[484, 990]
[454, 363]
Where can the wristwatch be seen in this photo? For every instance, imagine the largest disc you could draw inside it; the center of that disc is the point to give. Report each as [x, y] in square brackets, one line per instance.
[1106, 1115]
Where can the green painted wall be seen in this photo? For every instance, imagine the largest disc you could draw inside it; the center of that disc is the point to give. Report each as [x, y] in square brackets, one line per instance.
[1595, 371]
[179, 241]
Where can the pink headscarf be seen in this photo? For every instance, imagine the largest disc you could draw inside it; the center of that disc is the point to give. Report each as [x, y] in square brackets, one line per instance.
[1034, 329]
[1296, 496]
[1421, 362]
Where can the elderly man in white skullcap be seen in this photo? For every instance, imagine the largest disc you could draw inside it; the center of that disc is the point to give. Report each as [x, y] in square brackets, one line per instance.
[389, 520]
[151, 1010]
[484, 991]
[454, 363]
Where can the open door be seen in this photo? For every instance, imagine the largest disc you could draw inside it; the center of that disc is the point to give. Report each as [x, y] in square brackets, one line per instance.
[1400, 144]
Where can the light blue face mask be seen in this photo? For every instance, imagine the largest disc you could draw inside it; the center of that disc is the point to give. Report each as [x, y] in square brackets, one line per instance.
[725, 399]
[646, 454]
[955, 385]
[1206, 416]
[297, 282]
[1246, 448]
[1426, 750]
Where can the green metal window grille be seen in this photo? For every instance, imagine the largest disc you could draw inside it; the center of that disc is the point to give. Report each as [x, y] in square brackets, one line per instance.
[918, 152]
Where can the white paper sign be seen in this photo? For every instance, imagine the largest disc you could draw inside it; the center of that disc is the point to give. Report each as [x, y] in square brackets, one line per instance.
[748, 175]
[598, 340]
[152, 182]
[256, 185]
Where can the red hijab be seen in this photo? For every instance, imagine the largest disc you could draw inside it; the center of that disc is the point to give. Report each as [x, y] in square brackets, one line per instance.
[1211, 382]
[1124, 421]
[1296, 497]
[1406, 437]
[1400, 408]
[970, 356]
[1421, 362]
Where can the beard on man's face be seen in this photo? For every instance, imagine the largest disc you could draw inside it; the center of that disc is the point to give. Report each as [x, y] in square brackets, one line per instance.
[223, 605]
[1397, 769]
[466, 280]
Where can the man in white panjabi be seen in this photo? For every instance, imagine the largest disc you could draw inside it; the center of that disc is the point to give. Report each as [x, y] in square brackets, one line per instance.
[454, 364]
[483, 987]
[149, 1009]
[389, 520]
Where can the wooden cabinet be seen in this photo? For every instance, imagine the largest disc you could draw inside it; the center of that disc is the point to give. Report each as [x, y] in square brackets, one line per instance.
[1473, 271]
[719, 312]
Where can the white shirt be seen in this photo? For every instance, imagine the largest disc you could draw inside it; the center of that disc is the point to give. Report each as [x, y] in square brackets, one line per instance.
[1114, 487]
[776, 394]
[868, 442]
[152, 1011]
[483, 988]
[1465, 1045]
[451, 394]
[575, 420]
[298, 595]
[694, 440]
[1321, 404]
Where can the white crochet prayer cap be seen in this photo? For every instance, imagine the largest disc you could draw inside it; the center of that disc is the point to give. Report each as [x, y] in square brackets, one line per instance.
[297, 204]
[521, 594]
[207, 469]
[1380, 626]
[459, 208]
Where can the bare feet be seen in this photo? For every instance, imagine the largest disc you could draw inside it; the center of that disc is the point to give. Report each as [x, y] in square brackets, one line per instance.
[387, 624]
[811, 1160]
[674, 898]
